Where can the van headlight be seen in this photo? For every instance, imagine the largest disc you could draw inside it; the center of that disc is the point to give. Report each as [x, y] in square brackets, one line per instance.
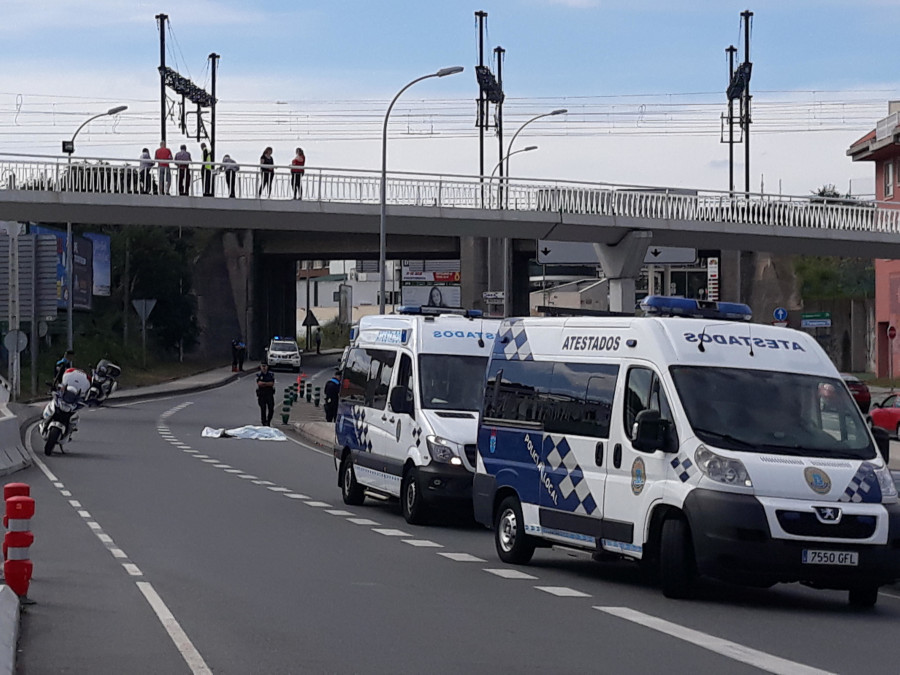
[886, 483]
[442, 450]
[722, 469]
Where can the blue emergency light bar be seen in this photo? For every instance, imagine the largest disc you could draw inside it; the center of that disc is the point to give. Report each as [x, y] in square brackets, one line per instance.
[434, 311]
[661, 305]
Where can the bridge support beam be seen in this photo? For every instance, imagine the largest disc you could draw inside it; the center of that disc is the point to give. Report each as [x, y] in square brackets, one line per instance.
[621, 263]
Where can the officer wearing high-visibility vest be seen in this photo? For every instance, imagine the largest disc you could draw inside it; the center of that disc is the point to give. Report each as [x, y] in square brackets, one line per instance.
[207, 171]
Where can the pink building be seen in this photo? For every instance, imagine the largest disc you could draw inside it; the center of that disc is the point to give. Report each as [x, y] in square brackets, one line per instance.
[882, 146]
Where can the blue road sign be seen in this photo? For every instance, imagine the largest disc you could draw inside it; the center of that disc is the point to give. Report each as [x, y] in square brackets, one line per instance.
[780, 314]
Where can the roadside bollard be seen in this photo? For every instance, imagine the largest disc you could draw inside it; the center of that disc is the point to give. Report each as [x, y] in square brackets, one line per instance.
[17, 567]
[316, 397]
[285, 413]
[308, 391]
[294, 392]
[13, 490]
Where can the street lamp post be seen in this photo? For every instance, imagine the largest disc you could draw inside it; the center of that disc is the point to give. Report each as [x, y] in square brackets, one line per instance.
[506, 262]
[506, 159]
[382, 239]
[68, 147]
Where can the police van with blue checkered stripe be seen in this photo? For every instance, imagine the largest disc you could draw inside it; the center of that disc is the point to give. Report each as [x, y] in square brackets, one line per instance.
[690, 440]
[411, 388]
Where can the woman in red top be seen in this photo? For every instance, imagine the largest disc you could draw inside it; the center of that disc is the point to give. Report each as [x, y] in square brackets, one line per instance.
[297, 173]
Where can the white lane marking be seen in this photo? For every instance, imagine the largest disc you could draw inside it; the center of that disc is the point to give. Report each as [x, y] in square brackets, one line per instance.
[294, 495]
[506, 573]
[65, 493]
[202, 457]
[209, 461]
[234, 470]
[118, 553]
[423, 543]
[263, 482]
[75, 503]
[248, 476]
[562, 592]
[84, 514]
[132, 569]
[388, 532]
[105, 538]
[58, 485]
[461, 557]
[362, 521]
[318, 504]
[732, 650]
[309, 447]
[94, 525]
[184, 645]
[276, 488]
[188, 450]
[182, 446]
[222, 466]
[339, 512]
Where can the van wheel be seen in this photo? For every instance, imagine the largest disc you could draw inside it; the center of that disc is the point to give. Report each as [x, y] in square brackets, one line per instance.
[677, 566]
[353, 493]
[414, 509]
[513, 545]
[863, 596]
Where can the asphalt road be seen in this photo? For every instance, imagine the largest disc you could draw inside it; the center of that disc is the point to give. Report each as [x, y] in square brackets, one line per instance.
[159, 551]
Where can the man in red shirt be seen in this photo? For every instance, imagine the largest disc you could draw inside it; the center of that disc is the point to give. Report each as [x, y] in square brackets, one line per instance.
[165, 173]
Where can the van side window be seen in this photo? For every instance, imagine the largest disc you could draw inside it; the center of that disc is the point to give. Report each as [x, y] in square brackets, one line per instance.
[643, 391]
[565, 398]
[379, 382]
[355, 376]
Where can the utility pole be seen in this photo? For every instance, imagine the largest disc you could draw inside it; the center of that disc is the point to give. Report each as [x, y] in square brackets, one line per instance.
[482, 102]
[212, 134]
[161, 20]
[731, 51]
[746, 15]
[498, 53]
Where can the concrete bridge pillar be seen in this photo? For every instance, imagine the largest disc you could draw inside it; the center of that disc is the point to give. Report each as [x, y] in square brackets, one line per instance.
[622, 264]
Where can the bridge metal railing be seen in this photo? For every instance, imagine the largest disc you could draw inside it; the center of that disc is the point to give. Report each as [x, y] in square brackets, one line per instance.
[323, 184]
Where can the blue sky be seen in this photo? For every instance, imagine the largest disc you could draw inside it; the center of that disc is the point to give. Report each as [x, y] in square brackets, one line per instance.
[320, 74]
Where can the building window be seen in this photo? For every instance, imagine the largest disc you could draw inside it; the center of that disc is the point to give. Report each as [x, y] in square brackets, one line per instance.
[889, 179]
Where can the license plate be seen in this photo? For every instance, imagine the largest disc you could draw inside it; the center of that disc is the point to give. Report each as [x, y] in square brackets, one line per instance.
[814, 557]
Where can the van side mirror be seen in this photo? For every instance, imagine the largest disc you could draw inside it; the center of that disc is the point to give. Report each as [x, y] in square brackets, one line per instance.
[651, 431]
[401, 400]
[883, 441]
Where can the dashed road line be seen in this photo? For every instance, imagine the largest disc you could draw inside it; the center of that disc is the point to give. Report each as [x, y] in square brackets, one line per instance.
[507, 573]
[362, 521]
[423, 543]
[388, 532]
[461, 557]
[732, 650]
[563, 592]
[318, 504]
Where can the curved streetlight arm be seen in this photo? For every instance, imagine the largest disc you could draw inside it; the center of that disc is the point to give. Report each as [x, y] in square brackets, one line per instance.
[111, 111]
[497, 166]
[561, 111]
[382, 237]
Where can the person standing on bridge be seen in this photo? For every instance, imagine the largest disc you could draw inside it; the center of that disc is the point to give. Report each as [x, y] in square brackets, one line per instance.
[297, 165]
[183, 160]
[230, 168]
[146, 166]
[266, 172]
[207, 171]
[265, 394]
[165, 173]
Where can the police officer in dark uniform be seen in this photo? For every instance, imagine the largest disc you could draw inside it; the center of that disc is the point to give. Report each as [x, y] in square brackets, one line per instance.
[332, 392]
[265, 394]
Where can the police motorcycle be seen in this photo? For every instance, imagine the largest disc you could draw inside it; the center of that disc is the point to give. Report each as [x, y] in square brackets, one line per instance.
[60, 416]
[103, 382]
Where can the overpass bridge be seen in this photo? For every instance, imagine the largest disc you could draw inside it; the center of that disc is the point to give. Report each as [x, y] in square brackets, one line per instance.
[427, 213]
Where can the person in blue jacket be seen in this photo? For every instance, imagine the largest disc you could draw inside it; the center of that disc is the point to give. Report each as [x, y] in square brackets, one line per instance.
[332, 393]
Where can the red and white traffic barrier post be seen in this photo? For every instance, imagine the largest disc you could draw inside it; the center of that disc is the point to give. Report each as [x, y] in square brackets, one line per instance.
[17, 566]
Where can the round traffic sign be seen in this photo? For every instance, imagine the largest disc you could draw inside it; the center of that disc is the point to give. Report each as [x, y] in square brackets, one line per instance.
[780, 314]
[892, 332]
[15, 341]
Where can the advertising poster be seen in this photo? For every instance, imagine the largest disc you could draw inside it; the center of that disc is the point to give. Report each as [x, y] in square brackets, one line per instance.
[102, 263]
[82, 268]
[430, 295]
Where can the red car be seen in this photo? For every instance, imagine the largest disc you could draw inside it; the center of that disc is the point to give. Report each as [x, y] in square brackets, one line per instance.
[887, 414]
[860, 393]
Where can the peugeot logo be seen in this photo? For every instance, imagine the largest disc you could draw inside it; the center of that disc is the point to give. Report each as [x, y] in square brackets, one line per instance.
[829, 515]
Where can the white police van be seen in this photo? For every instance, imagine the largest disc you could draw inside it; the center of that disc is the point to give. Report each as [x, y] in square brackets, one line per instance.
[700, 446]
[411, 388]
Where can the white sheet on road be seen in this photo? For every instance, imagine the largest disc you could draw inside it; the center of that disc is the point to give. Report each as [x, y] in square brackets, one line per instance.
[249, 431]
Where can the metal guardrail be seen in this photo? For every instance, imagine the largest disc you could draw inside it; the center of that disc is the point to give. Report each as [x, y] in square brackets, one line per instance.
[116, 176]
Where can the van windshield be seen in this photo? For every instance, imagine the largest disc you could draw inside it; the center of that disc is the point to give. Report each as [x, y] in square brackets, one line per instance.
[283, 346]
[451, 381]
[773, 412]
